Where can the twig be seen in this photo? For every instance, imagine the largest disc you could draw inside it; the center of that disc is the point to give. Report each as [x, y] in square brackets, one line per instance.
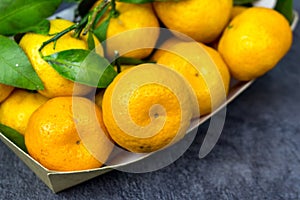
[92, 17]
[58, 35]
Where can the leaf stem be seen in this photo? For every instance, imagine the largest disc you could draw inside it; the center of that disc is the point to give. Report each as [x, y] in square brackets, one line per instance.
[57, 36]
[80, 26]
[117, 61]
[114, 11]
[92, 16]
[84, 25]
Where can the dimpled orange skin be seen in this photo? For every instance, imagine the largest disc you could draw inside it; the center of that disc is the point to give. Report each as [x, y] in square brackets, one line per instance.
[197, 81]
[131, 17]
[5, 91]
[140, 102]
[254, 42]
[55, 85]
[16, 110]
[201, 20]
[139, 112]
[52, 136]
[164, 47]
[222, 66]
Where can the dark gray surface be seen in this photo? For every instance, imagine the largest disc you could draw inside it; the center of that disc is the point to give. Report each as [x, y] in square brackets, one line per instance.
[257, 156]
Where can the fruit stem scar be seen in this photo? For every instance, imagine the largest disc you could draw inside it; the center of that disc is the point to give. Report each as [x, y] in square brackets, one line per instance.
[230, 26]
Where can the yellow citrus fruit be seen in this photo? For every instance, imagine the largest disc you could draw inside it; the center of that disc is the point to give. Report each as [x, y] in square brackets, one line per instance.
[147, 108]
[213, 74]
[132, 17]
[55, 85]
[236, 10]
[67, 134]
[124, 67]
[201, 20]
[99, 95]
[5, 91]
[254, 42]
[165, 45]
[16, 110]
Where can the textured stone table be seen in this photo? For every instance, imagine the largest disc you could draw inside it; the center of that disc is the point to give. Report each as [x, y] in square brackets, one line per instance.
[257, 156]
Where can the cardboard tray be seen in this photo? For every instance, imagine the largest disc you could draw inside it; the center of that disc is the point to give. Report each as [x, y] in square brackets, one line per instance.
[58, 181]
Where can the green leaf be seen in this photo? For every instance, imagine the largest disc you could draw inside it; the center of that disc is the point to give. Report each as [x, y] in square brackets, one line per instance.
[99, 16]
[15, 67]
[13, 136]
[243, 2]
[285, 7]
[41, 28]
[83, 66]
[90, 41]
[100, 31]
[19, 15]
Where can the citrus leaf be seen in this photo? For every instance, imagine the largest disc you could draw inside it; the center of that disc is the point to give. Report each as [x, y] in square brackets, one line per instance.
[90, 41]
[82, 66]
[15, 67]
[100, 31]
[41, 28]
[13, 136]
[285, 7]
[99, 16]
[18, 15]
